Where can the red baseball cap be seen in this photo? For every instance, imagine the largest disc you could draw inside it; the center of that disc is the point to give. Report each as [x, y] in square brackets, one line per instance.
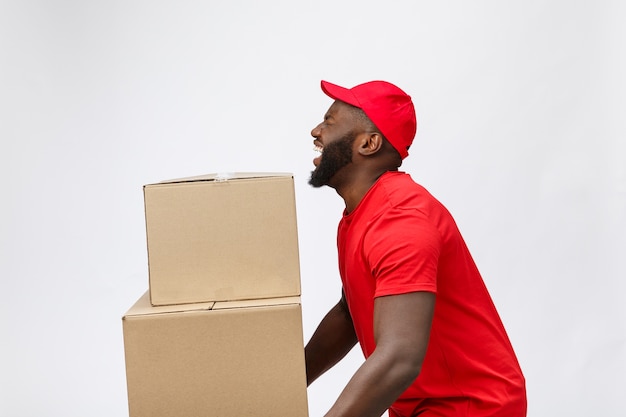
[388, 107]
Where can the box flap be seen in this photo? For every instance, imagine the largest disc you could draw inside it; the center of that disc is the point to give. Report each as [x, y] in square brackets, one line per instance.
[227, 176]
[143, 307]
[265, 302]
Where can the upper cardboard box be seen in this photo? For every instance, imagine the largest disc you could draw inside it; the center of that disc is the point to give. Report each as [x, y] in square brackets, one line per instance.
[221, 237]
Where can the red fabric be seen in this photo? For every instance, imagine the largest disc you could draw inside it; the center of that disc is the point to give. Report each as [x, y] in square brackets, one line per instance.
[400, 239]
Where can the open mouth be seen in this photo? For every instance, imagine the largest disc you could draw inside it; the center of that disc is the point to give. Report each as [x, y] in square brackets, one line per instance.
[320, 150]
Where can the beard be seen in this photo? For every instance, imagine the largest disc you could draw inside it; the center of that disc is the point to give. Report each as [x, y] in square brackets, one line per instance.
[335, 156]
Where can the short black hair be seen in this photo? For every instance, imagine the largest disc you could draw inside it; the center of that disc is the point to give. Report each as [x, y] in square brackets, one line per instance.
[366, 122]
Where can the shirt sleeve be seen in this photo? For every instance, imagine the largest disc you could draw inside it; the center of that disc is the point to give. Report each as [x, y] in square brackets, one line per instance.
[402, 250]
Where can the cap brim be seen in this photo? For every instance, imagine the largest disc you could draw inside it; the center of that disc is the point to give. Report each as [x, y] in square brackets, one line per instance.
[339, 93]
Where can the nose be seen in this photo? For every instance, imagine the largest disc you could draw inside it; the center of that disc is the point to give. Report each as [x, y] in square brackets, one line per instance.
[316, 131]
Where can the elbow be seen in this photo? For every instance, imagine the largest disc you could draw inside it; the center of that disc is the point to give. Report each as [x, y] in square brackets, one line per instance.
[405, 367]
[412, 368]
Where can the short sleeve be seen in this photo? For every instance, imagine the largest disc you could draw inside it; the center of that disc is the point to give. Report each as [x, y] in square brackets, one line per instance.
[402, 250]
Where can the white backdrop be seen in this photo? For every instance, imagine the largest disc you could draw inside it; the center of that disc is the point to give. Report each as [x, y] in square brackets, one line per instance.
[521, 134]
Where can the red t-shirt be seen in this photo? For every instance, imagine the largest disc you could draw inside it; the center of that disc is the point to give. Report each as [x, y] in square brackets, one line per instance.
[400, 239]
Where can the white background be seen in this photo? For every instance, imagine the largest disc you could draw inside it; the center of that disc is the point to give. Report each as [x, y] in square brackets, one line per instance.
[521, 134]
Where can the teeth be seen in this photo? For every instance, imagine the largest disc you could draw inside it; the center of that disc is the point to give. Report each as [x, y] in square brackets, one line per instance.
[318, 149]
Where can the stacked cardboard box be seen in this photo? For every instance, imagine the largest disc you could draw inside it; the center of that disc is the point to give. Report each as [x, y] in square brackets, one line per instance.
[219, 332]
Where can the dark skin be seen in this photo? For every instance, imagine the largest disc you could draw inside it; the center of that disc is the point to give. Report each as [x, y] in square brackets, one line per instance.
[401, 322]
[332, 340]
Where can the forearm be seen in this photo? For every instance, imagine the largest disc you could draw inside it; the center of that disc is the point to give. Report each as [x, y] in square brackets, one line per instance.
[401, 329]
[375, 386]
[332, 340]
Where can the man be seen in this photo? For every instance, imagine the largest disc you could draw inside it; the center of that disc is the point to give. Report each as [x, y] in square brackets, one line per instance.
[412, 296]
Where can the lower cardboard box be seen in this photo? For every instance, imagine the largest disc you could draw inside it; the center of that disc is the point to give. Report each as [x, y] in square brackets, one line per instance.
[223, 359]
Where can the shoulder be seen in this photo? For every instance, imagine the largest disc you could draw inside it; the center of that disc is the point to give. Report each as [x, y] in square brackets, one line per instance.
[401, 191]
[402, 225]
[404, 213]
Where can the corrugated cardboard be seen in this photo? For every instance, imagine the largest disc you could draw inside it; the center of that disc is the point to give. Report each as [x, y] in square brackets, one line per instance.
[216, 239]
[216, 359]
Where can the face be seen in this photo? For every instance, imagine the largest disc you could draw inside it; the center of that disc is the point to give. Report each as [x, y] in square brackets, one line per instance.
[334, 138]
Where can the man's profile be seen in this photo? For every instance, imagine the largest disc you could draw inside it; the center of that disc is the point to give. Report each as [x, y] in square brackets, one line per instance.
[412, 296]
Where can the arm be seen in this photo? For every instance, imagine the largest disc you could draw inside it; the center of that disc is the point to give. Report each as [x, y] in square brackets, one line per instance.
[401, 328]
[332, 340]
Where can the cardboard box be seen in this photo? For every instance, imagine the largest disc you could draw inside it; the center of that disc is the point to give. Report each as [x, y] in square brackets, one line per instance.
[216, 239]
[216, 359]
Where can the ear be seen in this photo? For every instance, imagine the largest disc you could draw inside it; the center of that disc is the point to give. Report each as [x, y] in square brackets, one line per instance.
[370, 143]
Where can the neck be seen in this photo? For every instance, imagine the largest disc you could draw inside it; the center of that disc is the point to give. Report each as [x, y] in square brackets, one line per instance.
[359, 183]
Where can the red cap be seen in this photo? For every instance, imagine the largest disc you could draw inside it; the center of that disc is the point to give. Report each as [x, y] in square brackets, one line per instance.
[388, 107]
